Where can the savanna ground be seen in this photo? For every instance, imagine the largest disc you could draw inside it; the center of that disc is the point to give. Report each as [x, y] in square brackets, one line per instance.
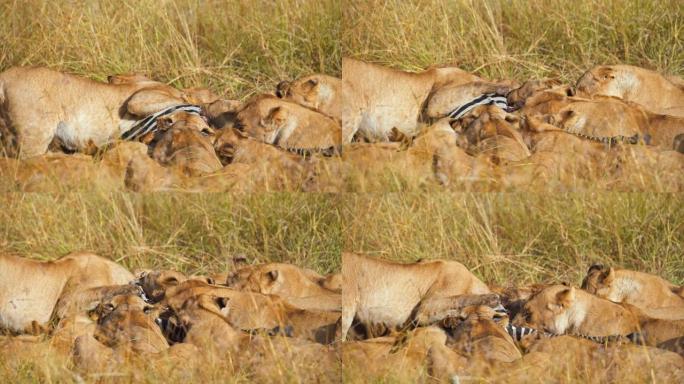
[238, 48]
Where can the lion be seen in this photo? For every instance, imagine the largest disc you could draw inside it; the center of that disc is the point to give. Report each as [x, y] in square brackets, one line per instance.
[612, 120]
[593, 362]
[639, 289]
[546, 102]
[78, 320]
[253, 311]
[286, 124]
[491, 131]
[517, 98]
[277, 359]
[287, 281]
[62, 172]
[90, 355]
[377, 99]
[434, 156]
[654, 91]
[39, 106]
[386, 292]
[265, 166]
[405, 357]
[320, 92]
[601, 117]
[185, 141]
[201, 322]
[27, 303]
[127, 323]
[514, 298]
[560, 309]
[144, 174]
[480, 333]
[155, 283]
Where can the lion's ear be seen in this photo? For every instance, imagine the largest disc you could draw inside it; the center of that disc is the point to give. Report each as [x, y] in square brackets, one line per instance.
[171, 280]
[566, 297]
[595, 267]
[273, 275]
[277, 116]
[608, 276]
[310, 84]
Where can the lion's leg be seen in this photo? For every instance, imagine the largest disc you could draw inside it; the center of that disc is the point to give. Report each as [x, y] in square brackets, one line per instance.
[34, 138]
[347, 319]
[350, 125]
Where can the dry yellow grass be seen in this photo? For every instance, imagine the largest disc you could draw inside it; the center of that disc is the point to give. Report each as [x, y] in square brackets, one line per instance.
[517, 238]
[517, 39]
[235, 47]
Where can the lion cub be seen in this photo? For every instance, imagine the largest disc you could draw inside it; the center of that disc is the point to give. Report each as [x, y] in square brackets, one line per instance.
[654, 91]
[480, 334]
[320, 92]
[290, 282]
[560, 309]
[642, 290]
[184, 140]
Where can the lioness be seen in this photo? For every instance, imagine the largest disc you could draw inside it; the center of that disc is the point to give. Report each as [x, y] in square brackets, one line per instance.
[560, 309]
[377, 99]
[386, 292]
[320, 92]
[609, 119]
[639, 289]
[491, 131]
[287, 124]
[406, 358]
[26, 302]
[517, 98]
[481, 334]
[185, 142]
[39, 105]
[286, 281]
[654, 91]
[124, 324]
[251, 310]
[202, 323]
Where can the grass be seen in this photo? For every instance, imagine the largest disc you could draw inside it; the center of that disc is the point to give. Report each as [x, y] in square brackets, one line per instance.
[523, 238]
[504, 238]
[196, 233]
[235, 47]
[517, 39]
